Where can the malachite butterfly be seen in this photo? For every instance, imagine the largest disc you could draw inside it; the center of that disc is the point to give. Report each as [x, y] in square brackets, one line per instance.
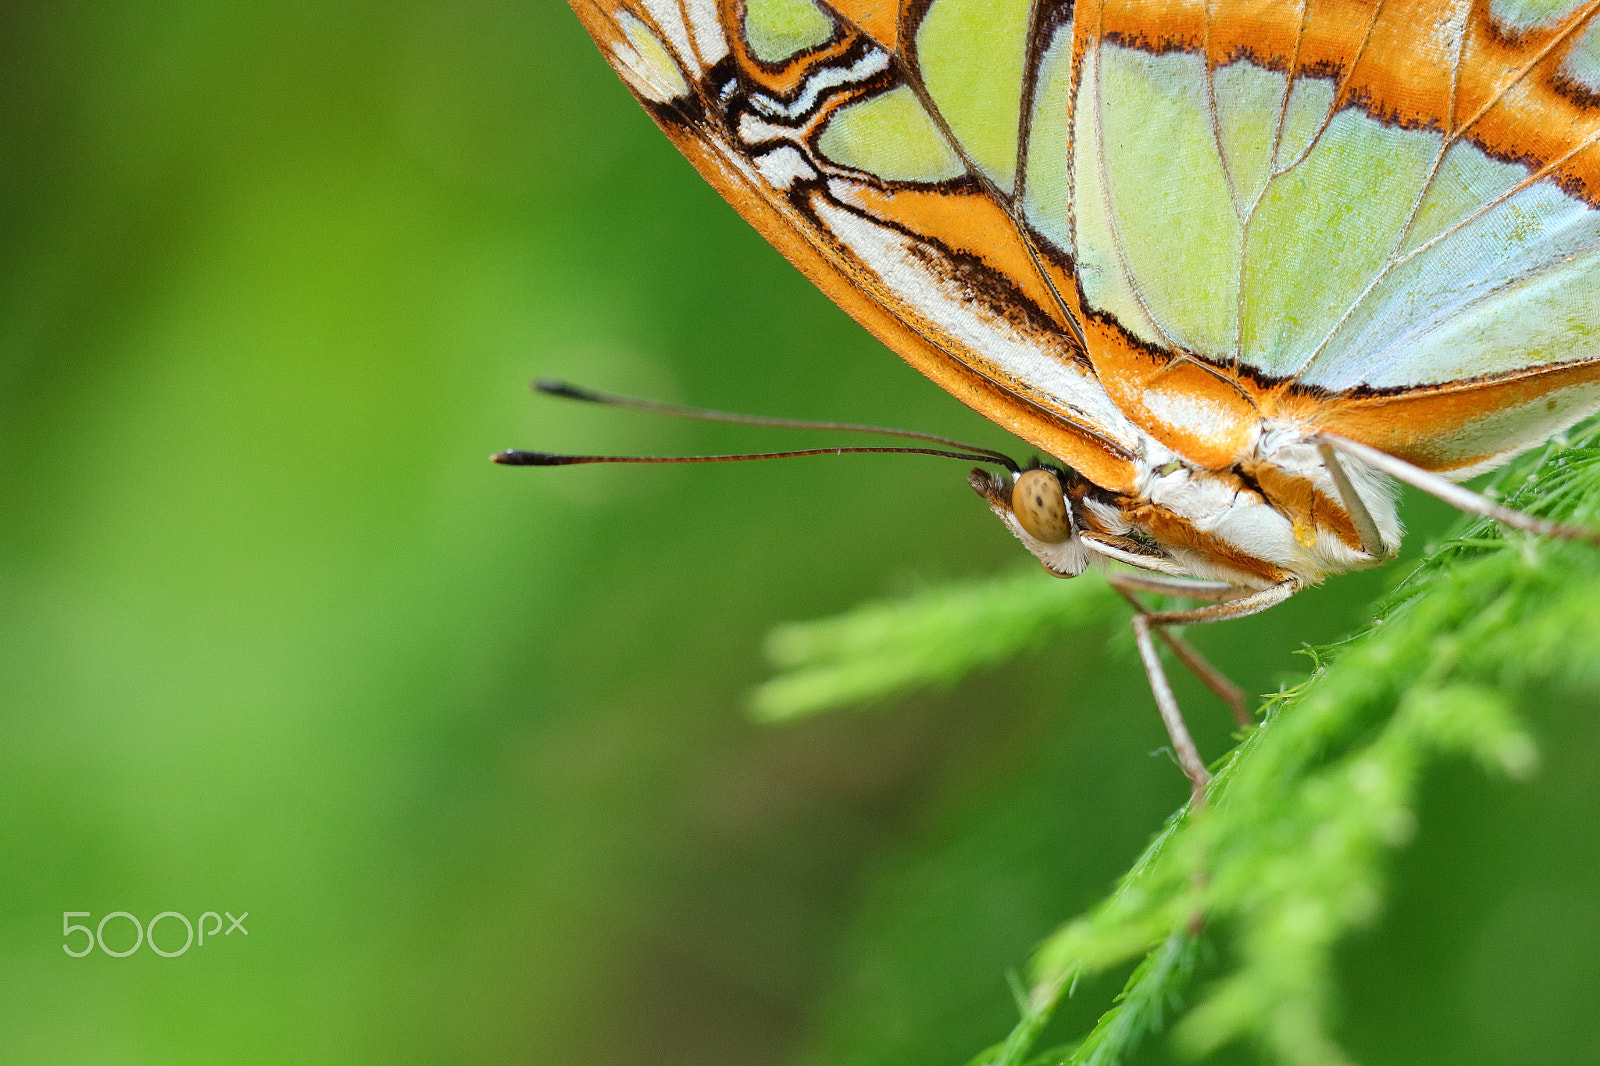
[1230, 262]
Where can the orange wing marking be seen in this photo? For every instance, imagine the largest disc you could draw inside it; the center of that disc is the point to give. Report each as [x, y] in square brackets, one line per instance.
[1530, 120]
[1557, 36]
[877, 19]
[1414, 425]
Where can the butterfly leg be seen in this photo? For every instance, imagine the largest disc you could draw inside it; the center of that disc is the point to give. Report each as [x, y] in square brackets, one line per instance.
[1148, 625]
[1354, 505]
[1461, 498]
[1214, 591]
[1194, 767]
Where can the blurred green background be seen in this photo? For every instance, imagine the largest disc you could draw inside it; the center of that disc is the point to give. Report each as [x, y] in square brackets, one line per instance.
[468, 743]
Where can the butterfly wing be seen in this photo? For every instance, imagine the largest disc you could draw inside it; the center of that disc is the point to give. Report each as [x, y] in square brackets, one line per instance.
[1389, 206]
[1171, 217]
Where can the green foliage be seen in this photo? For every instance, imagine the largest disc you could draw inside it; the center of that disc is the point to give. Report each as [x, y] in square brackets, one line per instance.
[1289, 854]
[934, 638]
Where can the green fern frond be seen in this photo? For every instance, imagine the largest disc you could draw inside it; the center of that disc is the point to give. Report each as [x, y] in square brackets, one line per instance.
[932, 639]
[1289, 853]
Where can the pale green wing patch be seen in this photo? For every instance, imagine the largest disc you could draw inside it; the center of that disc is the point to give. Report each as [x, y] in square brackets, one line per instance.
[891, 137]
[1322, 232]
[779, 29]
[1248, 102]
[1526, 263]
[1047, 188]
[1372, 257]
[1105, 281]
[1546, 316]
[1520, 16]
[1309, 102]
[1173, 213]
[1466, 182]
[972, 55]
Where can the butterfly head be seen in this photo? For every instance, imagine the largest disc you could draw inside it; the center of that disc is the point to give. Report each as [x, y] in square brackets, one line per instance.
[1037, 505]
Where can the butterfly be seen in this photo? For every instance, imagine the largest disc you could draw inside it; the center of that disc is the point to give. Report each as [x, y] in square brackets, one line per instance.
[1234, 265]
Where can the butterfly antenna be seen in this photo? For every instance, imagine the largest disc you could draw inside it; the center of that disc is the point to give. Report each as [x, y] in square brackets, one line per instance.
[567, 391]
[517, 457]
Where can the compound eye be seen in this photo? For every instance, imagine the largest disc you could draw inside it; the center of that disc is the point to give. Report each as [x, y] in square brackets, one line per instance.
[1040, 505]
